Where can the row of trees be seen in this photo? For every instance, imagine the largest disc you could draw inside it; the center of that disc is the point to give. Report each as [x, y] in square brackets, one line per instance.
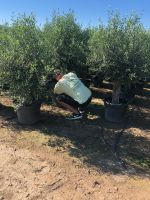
[118, 51]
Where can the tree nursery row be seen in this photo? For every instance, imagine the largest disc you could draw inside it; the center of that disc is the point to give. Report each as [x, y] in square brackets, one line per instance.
[118, 52]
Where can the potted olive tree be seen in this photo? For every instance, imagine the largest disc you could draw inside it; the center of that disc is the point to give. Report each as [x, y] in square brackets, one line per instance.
[4, 43]
[124, 60]
[95, 56]
[66, 43]
[23, 67]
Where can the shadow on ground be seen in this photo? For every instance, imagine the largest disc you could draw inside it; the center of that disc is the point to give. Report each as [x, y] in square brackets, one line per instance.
[96, 142]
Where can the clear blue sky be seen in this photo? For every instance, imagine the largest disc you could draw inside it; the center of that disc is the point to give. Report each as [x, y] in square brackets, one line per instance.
[86, 11]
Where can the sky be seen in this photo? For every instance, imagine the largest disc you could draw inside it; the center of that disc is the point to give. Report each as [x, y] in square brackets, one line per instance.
[86, 12]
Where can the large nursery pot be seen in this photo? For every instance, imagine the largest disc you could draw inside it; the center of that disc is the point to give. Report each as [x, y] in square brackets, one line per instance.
[1, 106]
[115, 112]
[29, 114]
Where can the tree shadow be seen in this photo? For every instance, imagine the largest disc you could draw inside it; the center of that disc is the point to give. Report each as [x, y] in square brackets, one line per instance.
[101, 93]
[136, 150]
[87, 142]
[140, 111]
[139, 118]
[107, 85]
[7, 112]
[93, 140]
[142, 102]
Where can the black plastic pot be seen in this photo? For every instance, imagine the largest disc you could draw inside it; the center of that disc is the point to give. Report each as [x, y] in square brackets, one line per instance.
[29, 114]
[115, 112]
[1, 106]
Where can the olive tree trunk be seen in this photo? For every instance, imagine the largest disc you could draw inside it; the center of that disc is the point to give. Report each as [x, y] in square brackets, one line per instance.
[116, 93]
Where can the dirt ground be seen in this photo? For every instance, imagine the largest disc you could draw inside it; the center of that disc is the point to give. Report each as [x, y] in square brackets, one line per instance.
[89, 159]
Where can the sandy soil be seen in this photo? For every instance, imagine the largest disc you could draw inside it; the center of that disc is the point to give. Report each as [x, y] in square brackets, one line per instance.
[30, 171]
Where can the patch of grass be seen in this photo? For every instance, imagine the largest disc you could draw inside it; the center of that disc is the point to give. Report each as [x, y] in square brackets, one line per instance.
[139, 161]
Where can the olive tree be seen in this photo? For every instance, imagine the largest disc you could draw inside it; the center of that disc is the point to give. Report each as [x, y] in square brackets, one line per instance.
[125, 55]
[65, 42]
[5, 48]
[95, 56]
[147, 55]
[22, 60]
